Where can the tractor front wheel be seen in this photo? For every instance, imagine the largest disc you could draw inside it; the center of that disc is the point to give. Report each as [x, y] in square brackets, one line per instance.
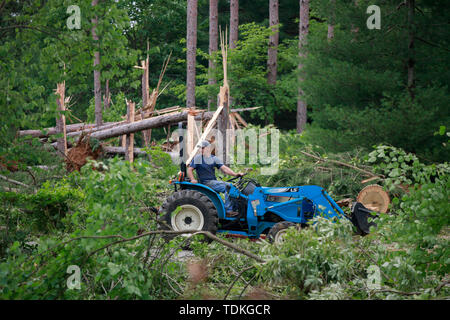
[189, 210]
[277, 232]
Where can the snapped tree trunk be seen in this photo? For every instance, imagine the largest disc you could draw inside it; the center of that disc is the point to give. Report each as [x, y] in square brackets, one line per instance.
[107, 96]
[213, 43]
[303, 33]
[273, 43]
[61, 119]
[97, 85]
[331, 19]
[191, 42]
[234, 22]
[150, 123]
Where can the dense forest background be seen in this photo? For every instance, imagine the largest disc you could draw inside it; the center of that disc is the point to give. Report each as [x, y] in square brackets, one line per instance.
[377, 111]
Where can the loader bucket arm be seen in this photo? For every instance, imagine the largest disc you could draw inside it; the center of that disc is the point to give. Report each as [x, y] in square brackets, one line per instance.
[324, 204]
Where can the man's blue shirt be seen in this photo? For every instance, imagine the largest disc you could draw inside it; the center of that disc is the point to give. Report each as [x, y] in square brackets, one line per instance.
[205, 167]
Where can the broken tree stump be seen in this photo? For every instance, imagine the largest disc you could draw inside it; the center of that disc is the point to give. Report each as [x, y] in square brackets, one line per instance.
[61, 142]
[129, 141]
[151, 123]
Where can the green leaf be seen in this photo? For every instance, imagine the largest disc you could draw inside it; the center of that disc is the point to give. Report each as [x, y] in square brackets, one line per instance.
[113, 268]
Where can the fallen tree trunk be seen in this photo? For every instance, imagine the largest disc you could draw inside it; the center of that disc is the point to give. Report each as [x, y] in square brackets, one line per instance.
[105, 126]
[76, 129]
[52, 131]
[151, 123]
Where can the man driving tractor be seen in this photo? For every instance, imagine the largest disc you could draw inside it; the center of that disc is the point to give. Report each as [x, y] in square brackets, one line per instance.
[205, 165]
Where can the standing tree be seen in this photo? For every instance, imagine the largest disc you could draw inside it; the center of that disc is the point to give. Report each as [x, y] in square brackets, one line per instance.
[234, 22]
[273, 43]
[97, 84]
[411, 60]
[191, 42]
[213, 42]
[331, 18]
[302, 35]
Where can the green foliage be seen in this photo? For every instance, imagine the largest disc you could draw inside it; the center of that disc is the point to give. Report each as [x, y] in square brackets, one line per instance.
[27, 215]
[114, 113]
[311, 258]
[355, 87]
[296, 168]
[397, 121]
[401, 168]
[420, 226]
[355, 83]
[130, 270]
[162, 162]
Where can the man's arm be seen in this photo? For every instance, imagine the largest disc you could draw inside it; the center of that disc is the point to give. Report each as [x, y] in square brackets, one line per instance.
[190, 173]
[230, 172]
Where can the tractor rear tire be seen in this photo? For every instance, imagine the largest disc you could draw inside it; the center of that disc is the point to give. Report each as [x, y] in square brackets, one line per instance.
[188, 210]
[276, 233]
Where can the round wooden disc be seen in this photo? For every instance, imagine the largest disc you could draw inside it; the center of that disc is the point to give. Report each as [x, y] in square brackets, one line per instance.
[373, 197]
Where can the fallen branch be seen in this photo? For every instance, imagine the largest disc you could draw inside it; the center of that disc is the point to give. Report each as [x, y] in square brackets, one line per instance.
[398, 292]
[441, 285]
[235, 280]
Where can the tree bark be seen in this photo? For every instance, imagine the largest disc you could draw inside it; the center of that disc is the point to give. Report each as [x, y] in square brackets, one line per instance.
[411, 59]
[223, 124]
[303, 33]
[273, 43]
[234, 22]
[97, 85]
[129, 142]
[150, 123]
[53, 130]
[213, 42]
[107, 96]
[61, 119]
[191, 42]
[120, 150]
[331, 20]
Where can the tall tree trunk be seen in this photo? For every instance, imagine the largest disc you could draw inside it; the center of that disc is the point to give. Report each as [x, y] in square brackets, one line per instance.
[273, 43]
[191, 39]
[411, 59]
[107, 96]
[97, 84]
[234, 22]
[213, 42]
[303, 27]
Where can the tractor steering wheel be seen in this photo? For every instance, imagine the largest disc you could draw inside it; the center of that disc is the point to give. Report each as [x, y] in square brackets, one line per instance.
[238, 177]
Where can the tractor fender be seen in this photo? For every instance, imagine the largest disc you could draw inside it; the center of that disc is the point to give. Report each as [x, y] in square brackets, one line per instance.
[210, 193]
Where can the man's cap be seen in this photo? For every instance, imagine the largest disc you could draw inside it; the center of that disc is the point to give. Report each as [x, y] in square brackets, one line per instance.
[204, 144]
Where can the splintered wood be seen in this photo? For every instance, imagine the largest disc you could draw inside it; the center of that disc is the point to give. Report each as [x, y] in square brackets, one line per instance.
[129, 140]
[149, 100]
[223, 123]
[61, 119]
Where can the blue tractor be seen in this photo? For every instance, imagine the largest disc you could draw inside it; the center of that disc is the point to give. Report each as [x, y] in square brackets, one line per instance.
[262, 210]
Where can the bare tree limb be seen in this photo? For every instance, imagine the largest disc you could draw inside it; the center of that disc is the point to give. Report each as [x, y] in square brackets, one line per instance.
[235, 280]
[14, 181]
[341, 164]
